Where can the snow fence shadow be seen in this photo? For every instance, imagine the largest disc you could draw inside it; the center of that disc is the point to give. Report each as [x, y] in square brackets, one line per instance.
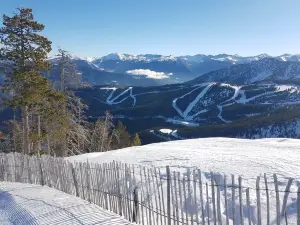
[12, 213]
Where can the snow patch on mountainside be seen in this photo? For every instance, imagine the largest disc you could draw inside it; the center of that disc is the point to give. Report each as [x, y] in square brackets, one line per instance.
[169, 132]
[261, 76]
[182, 122]
[289, 88]
[285, 129]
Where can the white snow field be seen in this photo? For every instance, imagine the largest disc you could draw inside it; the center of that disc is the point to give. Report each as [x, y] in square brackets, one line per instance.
[248, 158]
[28, 204]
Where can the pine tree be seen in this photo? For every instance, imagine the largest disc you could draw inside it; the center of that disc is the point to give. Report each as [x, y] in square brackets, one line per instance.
[69, 76]
[25, 53]
[136, 141]
[76, 135]
[124, 136]
[104, 136]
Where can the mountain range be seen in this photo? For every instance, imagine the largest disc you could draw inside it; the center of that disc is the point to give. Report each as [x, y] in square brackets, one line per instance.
[150, 70]
[154, 70]
[193, 96]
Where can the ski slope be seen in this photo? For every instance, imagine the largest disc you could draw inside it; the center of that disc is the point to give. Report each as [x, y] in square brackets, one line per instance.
[192, 112]
[223, 156]
[28, 204]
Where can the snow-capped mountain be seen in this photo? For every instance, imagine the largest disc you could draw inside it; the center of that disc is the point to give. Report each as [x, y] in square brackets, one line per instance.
[122, 63]
[153, 69]
[128, 57]
[267, 69]
[289, 57]
[199, 58]
[95, 75]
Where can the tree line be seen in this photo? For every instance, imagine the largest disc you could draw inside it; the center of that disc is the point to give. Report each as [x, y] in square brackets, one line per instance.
[48, 118]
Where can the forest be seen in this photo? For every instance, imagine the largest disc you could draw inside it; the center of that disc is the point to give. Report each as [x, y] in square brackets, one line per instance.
[47, 116]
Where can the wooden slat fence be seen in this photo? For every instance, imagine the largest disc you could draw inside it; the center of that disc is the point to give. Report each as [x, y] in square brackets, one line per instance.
[162, 196]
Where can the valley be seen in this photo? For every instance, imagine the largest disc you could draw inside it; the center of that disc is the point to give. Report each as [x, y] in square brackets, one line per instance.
[186, 107]
[193, 96]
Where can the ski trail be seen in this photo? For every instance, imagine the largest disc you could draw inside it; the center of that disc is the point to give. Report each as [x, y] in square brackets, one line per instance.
[193, 103]
[197, 99]
[175, 100]
[220, 114]
[244, 100]
[237, 91]
[111, 94]
[189, 118]
[113, 101]
[149, 92]
[132, 96]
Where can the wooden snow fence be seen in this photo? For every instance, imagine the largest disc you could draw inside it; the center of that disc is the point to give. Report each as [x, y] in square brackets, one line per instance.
[161, 196]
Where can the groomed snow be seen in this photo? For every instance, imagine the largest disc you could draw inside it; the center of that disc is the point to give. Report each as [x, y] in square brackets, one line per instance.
[28, 204]
[224, 155]
[248, 158]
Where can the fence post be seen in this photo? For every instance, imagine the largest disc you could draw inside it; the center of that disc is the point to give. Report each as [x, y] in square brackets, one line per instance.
[213, 196]
[136, 205]
[258, 201]
[233, 200]
[41, 171]
[248, 205]
[119, 189]
[286, 195]
[2, 168]
[88, 185]
[298, 206]
[241, 201]
[277, 200]
[28, 168]
[168, 195]
[74, 179]
[268, 199]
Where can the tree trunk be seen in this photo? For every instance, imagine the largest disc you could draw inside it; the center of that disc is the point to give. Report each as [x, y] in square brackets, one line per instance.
[26, 144]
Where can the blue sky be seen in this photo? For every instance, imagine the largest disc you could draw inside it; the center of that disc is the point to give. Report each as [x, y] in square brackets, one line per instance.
[169, 27]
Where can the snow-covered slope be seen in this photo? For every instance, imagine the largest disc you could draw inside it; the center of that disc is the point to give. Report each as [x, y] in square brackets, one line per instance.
[223, 156]
[28, 204]
[268, 69]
